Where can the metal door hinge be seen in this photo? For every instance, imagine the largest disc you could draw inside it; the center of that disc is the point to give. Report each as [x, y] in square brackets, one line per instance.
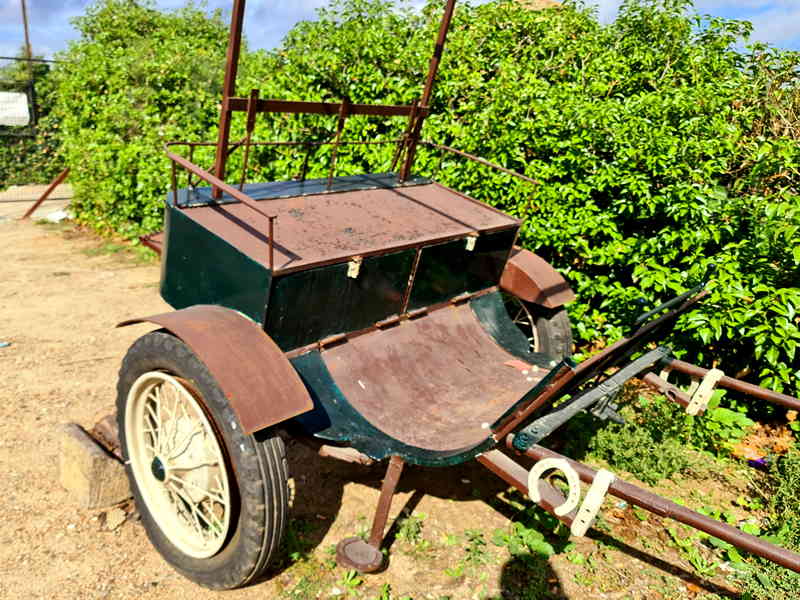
[354, 267]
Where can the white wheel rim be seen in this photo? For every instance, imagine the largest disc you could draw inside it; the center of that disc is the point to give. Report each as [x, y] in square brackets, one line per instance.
[523, 319]
[178, 464]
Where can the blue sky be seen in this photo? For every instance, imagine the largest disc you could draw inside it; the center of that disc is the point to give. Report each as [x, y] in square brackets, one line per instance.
[775, 21]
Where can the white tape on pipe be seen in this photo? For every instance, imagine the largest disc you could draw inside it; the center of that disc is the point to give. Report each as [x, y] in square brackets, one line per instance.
[592, 502]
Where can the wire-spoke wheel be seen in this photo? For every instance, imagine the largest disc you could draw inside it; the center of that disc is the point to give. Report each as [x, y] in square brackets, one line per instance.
[213, 499]
[548, 330]
[177, 459]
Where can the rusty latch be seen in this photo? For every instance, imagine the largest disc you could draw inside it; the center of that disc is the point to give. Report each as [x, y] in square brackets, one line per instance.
[388, 322]
[354, 267]
[332, 340]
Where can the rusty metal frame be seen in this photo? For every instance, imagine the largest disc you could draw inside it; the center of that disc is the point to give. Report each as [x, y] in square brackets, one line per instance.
[416, 112]
[516, 475]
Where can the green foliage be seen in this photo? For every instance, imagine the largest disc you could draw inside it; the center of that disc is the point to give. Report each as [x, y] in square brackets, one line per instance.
[766, 580]
[652, 443]
[646, 454]
[137, 78]
[661, 149]
[25, 160]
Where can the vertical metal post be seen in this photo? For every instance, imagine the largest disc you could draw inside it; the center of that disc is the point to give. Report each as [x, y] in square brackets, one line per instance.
[272, 243]
[29, 56]
[228, 90]
[252, 111]
[433, 68]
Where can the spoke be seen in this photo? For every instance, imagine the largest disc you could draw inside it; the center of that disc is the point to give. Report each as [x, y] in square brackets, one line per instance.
[185, 443]
[196, 514]
[182, 503]
[208, 493]
[193, 467]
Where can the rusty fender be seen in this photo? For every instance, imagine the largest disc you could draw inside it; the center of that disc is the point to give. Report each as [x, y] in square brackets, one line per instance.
[530, 278]
[260, 384]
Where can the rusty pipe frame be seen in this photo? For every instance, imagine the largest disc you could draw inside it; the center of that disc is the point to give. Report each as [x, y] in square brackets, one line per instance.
[53, 185]
[734, 385]
[516, 475]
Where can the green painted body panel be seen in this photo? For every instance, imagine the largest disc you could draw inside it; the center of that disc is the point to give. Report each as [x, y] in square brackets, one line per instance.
[308, 306]
[449, 269]
[333, 418]
[198, 267]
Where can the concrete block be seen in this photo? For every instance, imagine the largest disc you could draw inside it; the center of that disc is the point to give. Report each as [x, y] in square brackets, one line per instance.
[92, 476]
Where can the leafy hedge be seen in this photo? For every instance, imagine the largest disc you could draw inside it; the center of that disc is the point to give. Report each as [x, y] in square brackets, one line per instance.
[35, 159]
[660, 148]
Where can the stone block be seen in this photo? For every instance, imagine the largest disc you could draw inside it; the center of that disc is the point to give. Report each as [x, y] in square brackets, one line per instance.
[92, 476]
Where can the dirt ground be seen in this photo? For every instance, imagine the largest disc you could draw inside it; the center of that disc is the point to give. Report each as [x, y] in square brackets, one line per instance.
[61, 294]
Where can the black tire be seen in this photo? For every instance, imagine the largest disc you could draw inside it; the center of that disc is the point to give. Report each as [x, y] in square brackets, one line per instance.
[257, 471]
[548, 330]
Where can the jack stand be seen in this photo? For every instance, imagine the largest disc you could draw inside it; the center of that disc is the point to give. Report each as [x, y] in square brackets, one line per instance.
[366, 557]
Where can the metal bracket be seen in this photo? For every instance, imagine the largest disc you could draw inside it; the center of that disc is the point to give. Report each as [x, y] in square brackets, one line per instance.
[703, 392]
[592, 502]
[471, 239]
[544, 426]
[354, 267]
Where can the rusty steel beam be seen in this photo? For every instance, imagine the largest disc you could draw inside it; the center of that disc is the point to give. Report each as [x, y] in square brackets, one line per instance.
[427, 92]
[320, 108]
[53, 185]
[664, 508]
[736, 385]
[229, 90]
[480, 160]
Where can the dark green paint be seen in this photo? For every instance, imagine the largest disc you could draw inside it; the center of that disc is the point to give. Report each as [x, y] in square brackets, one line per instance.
[495, 320]
[290, 189]
[449, 269]
[308, 306]
[199, 267]
[334, 418]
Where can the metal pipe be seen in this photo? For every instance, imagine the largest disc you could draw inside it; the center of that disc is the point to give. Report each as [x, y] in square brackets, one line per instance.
[427, 92]
[272, 242]
[480, 160]
[393, 472]
[228, 91]
[736, 385]
[672, 392]
[664, 508]
[53, 185]
[515, 475]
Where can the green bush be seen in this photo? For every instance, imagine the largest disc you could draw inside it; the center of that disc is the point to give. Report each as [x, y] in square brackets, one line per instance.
[661, 149]
[25, 160]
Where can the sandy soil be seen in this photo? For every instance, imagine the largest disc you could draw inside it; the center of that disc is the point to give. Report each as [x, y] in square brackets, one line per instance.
[61, 294]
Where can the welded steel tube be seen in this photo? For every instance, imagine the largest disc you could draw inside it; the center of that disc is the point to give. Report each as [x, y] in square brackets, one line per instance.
[736, 385]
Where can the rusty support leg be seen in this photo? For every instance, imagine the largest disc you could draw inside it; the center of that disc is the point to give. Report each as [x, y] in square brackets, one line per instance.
[366, 557]
[53, 185]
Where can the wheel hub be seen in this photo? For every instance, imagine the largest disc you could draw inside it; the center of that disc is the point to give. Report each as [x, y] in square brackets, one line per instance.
[158, 470]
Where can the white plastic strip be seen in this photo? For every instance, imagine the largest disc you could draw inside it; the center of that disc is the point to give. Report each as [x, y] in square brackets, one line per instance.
[704, 391]
[592, 502]
[549, 464]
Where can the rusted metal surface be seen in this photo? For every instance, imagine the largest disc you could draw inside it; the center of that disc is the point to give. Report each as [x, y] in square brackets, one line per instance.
[530, 278]
[427, 91]
[664, 508]
[479, 160]
[328, 228]
[736, 385]
[670, 391]
[229, 90]
[515, 475]
[322, 108]
[393, 472]
[256, 378]
[53, 185]
[366, 556]
[435, 383]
